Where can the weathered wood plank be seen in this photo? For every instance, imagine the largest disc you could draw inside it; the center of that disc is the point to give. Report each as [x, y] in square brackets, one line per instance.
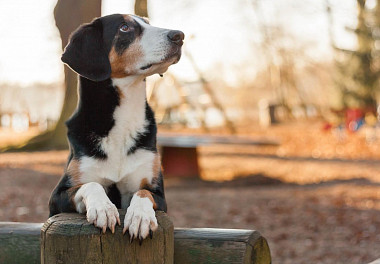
[20, 243]
[220, 246]
[69, 238]
[192, 141]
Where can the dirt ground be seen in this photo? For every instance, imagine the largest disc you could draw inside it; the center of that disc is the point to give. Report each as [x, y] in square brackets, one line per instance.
[316, 197]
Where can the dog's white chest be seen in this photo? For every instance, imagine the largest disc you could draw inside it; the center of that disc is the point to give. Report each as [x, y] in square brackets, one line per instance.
[129, 171]
[118, 167]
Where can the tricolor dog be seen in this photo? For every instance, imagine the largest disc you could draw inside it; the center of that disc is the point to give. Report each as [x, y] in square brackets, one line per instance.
[113, 161]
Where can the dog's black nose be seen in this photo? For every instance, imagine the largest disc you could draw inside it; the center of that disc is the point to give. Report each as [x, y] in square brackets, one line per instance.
[176, 37]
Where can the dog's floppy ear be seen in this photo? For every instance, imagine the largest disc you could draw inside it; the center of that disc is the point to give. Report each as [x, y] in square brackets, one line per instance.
[86, 53]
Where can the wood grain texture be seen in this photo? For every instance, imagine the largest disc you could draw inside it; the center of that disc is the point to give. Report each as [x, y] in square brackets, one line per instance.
[220, 246]
[20, 243]
[69, 238]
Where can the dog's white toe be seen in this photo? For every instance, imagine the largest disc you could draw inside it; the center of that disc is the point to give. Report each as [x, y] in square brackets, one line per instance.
[103, 214]
[100, 210]
[140, 218]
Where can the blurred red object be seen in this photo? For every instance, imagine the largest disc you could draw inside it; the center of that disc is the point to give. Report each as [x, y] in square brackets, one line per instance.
[327, 127]
[353, 115]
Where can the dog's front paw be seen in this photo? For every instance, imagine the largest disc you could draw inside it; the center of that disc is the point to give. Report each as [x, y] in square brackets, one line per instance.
[103, 213]
[140, 218]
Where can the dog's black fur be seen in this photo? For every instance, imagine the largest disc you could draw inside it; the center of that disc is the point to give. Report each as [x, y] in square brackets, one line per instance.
[87, 54]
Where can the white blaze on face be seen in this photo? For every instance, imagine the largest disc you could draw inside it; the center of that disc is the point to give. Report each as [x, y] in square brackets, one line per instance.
[156, 47]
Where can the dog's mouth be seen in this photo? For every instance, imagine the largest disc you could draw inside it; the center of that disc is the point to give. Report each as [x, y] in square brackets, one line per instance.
[146, 67]
[172, 57]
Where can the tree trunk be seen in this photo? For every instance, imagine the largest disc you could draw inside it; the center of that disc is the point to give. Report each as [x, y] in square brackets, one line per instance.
[69, 14]
[357, 77]
[141, 8]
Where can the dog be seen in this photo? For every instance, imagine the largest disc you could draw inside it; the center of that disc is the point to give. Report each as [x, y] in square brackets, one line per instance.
[113, 161]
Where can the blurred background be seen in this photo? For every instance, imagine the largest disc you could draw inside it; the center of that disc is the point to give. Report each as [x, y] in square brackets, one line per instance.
[270, 121]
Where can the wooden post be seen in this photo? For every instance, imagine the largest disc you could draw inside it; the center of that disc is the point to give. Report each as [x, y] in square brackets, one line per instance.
[20, 243]
[69, 238]
[220, 246]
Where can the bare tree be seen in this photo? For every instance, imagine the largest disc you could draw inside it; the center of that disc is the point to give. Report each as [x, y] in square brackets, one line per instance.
[84, 11]
[281, 61]
[141, 8]
[69, 14]
[357, 76]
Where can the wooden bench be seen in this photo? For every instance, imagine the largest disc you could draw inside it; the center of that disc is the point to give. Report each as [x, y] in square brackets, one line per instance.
[179, 152]
[68, 238]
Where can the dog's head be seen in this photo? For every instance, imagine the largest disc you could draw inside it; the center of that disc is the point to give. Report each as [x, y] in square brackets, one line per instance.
[118, 46]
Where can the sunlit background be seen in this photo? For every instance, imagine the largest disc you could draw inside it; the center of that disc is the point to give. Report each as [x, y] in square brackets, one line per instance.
[231, 42]
[225, 38]
[31, 47]
[300, 78]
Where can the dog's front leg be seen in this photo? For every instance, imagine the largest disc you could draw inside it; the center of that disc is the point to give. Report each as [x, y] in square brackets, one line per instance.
[140, 218]
[92, 198]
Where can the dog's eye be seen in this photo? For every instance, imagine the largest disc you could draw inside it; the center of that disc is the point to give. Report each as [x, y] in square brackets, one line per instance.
[124, 28]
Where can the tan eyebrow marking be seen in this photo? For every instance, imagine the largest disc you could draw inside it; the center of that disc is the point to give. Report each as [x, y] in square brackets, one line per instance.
[128, 18]
[146, 20]
[143, 19]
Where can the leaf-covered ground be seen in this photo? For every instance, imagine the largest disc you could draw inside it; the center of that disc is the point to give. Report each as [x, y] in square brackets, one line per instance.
[316, 197]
